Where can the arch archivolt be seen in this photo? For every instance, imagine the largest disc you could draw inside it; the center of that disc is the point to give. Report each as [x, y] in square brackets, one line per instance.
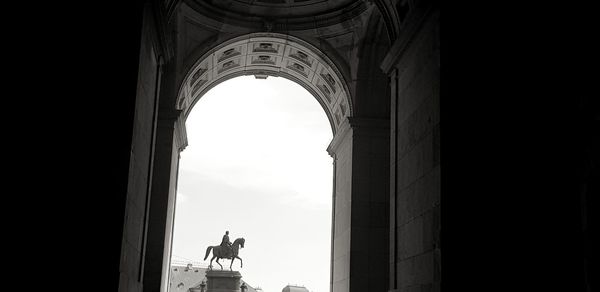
[270, 54]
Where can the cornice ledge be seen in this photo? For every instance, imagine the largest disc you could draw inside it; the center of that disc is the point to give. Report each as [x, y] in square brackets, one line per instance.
[169, 115]
[181, 133]
[284, 23]
[343, 130]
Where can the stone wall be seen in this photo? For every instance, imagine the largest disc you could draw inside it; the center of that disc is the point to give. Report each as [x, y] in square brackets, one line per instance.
[140, 167]
[415, 169]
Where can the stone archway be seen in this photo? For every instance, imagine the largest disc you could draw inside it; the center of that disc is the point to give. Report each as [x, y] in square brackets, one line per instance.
[360, 147]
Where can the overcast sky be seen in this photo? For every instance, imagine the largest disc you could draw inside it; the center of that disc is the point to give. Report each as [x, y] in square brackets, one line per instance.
[256, 164]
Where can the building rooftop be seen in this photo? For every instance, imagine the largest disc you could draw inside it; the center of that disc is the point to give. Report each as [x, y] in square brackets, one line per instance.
[185, 276]
[294, 288]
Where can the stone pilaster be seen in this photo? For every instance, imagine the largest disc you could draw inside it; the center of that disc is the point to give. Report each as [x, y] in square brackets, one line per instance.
[162, 203]
[361, 205]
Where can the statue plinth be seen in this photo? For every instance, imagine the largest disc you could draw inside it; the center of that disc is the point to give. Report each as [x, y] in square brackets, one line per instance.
[223, 281]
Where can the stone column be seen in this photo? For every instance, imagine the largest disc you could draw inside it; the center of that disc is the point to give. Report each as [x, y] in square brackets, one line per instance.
[361, 206]
[223, 281]
[369, 205]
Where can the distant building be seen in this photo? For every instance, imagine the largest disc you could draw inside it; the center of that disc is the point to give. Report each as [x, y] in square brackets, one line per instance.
[183, 277]
[294, 288]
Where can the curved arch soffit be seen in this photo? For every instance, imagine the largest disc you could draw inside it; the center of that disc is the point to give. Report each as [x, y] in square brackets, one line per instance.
[270, 54]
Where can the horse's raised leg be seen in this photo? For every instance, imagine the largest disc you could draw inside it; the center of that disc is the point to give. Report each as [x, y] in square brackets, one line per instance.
[236, 257]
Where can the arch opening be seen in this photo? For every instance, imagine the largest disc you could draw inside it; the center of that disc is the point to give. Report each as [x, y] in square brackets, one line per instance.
[280, 55]
[297, 195]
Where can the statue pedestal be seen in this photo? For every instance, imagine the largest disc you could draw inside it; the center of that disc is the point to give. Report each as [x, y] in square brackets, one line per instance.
[223, 281]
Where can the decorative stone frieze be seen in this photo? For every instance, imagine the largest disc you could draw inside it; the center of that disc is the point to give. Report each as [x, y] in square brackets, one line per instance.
[270, 54]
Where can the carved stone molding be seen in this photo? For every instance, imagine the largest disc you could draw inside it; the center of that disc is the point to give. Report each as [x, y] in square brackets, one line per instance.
[339, 137]
[280, 16]
[180, 133]
[270, 54]
[368, 123]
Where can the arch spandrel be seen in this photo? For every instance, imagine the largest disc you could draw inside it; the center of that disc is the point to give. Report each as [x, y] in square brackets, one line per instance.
[270, 54]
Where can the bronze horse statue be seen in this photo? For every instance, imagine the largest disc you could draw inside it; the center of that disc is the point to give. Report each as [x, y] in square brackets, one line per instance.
[221, 253]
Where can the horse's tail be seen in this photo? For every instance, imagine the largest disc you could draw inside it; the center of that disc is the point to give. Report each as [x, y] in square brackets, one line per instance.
[207, 252]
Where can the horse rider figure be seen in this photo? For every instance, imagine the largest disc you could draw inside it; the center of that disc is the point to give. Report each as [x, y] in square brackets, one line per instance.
[225, 243]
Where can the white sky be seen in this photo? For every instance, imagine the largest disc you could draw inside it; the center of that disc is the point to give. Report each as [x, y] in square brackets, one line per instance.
[257, 165]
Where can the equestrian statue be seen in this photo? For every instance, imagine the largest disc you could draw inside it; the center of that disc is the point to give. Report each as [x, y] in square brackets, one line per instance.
[226, 250]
